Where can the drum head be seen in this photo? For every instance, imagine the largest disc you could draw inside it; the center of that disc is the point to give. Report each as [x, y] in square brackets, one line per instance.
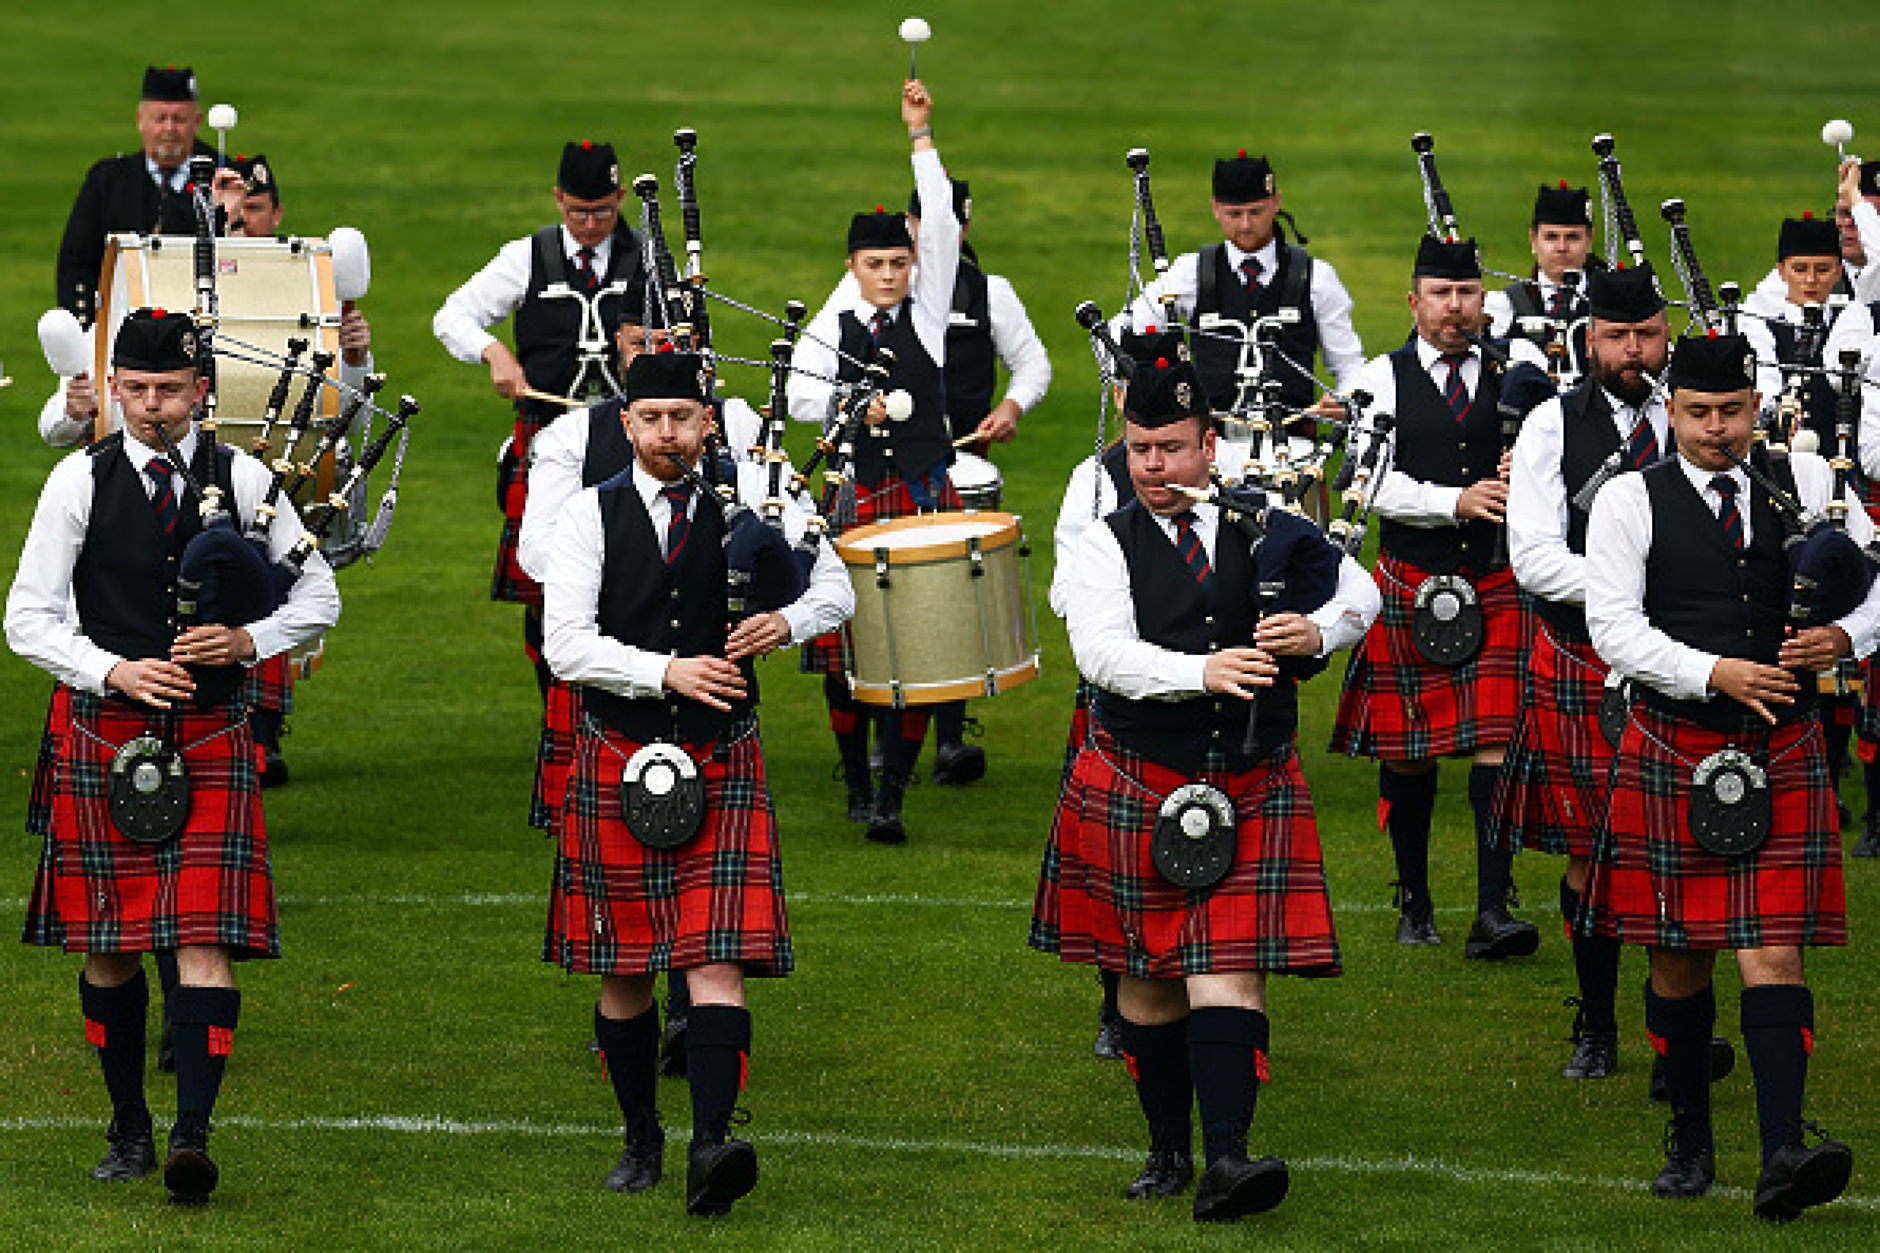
[1446, 620]
[147, 791]
[927, 537]
[1731, 806]
[662, 796]
[1195, 836]
[977, 480]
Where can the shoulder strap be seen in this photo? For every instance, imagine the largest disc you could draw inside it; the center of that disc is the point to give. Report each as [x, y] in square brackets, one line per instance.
[1295, 268]
[549, 262]
[1207, 281]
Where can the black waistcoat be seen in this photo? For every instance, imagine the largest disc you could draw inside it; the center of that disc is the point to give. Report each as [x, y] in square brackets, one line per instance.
[677, 609]
[972, 369]
[1175, 612]
[1703, 593]
[1434, 447]
[921, 442]
[609, 451]
[547, 330]
[1587, 438]
[125, 576]
[1116, 465]
[1218, 290]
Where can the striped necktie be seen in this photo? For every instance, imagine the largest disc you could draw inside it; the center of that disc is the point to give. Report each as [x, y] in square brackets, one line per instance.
[1454, 391]
[1188, 544]
[679, 497]
[1641, 449]
[1727, 516]
[163, 499]
[1250, 275]
[584, 269]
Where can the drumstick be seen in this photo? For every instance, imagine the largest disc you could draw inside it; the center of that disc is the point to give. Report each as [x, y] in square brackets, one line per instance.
[916, 32]
[971, 437]
[549, 398]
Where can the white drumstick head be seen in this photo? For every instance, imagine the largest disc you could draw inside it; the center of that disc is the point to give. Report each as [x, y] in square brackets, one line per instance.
[352, 263]
[916, 31]
[1839, 131]
[900, 406]
[68, 349]
[222, 117]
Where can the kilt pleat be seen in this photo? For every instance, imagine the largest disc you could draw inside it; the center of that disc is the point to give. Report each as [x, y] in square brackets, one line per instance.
[1101, 902]
[617, 907]
[553, 756]
[45, 768]
[1396, 706]
[510, 581]
[1552, 790]
[97, 892]
[1651, 884]
[270, 685]
[825, 654]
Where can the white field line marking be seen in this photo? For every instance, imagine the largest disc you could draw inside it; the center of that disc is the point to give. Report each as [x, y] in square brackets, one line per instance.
[1406, 1165]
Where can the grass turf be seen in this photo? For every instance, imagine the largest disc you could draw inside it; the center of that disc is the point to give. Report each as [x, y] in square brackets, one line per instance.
[411, 1075]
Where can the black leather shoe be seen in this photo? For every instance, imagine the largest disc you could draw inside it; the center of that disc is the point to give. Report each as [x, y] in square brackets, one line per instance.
[1109, 1045]
[1168, 1172]
[958, 763]
[1497, 934]
[133, 1154]
[1234, 1187]
[639, 1167]
[1722, 1062]
[1798, 1177]
[884, 822]
[1595, 1055]
[672, 1047]
[718, 1174]
[166, 1050]
[1417, 923]
[1685, 1176]
[188, 1173]
[1868, 845]
[274, 771]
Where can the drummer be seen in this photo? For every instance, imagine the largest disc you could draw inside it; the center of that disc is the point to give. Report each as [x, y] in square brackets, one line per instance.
[902, 296]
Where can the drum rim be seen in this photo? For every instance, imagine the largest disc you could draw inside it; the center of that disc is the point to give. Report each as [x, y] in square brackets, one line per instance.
[855, 547]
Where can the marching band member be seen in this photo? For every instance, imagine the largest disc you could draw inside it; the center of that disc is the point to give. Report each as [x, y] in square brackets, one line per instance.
[1425, 686]
[590, 251]
[1553, 782]
[1857, 219]
[1720, 830]
[95, 604]
[1561, 237]
[1193, 941]
[901, 303]
[145, 191]
[1255, 272]
[668, 854]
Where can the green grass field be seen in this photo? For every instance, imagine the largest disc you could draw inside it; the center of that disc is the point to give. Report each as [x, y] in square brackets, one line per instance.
[412, 1076]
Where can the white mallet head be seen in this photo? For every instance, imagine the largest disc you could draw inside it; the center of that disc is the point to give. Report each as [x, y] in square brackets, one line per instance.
[352, 263]
[1805, 440]
[67, 347]
[916, 31]
[222, 117]
[1837, 132]
[900, 406]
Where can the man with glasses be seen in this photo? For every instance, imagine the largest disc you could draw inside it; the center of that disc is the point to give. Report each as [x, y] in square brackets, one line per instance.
[552, 282]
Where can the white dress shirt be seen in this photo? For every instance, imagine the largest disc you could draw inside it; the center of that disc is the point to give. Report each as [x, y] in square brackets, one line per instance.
[930, 288]
[1400, 497]
[1339, 344]
[572, 641]
[41, 616]
[1543, 563]
[1087, 498]
[1618, 541]
[494, 292]
[1112, 654]
[1863, 279]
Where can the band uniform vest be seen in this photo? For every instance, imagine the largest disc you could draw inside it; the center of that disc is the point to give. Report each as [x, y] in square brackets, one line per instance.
[972, 367]
[547, 330]
[916, 445]
[1219, 290]
[1436, 448]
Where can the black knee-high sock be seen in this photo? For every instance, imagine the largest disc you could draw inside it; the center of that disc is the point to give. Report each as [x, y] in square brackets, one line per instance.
[902, 733]
[1409, 801]
[1779, 1034]
[849, 722]
[631, 1047]
[1681, 1031]
[678, 994]
[1158, 1061]
[717, 1049]
[949, 723]
[1595, 964]
[1494, 862]
[115, 1023]
[1227, 1055]
[167, 978]
[204, 1021]
[1110, 981]
[1870, 775]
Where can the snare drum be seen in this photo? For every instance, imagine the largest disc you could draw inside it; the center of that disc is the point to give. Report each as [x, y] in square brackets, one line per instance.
[942, 609]
[977, 480]
[267, 291]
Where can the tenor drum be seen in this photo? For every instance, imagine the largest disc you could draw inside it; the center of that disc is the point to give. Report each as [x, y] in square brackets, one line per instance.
[977, 480]
[267, 290]
[942, 609]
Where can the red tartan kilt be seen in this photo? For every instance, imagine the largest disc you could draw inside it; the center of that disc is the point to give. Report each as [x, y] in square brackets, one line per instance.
[1398, 707]
[45, 769]
[270, 685]
[1101, 902]
[618, 907]
[1651, 884]
[554, 756]
[1552, 791]
[511, 582]
[98, 892]
[824, 654]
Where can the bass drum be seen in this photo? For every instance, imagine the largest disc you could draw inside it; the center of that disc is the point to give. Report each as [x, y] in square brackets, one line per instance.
[268, 291]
